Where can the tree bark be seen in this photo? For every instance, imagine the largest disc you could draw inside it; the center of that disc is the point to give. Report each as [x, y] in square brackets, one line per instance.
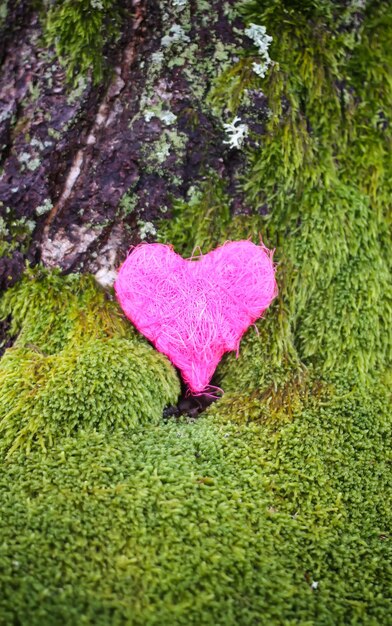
[69, 155]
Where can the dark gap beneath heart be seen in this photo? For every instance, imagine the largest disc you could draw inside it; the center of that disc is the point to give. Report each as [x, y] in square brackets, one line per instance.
[189, 405]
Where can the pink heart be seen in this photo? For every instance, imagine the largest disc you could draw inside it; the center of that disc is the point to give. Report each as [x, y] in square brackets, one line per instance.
[196, 310]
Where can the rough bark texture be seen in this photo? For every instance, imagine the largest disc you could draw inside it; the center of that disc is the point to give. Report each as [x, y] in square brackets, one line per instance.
[69, 156]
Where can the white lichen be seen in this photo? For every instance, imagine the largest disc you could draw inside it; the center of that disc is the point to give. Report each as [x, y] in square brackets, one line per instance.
[37, 143]
[163, 153]
[262, 41]
[4, 115]
[3, 227]
[167, 117]
[260, 69]
[175, 35]
[105, 277]
[30, 225]
[180, 4]
[157, 57]
[27, 161]
[45, 207]
[236, 133]
[259, 36]
[145, 229]
[148, 115]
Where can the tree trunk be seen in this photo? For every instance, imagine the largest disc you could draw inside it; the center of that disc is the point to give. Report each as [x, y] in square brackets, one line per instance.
[88, 169]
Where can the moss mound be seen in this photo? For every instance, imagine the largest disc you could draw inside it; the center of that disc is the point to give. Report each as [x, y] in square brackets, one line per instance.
[204, 523]
[76, 363]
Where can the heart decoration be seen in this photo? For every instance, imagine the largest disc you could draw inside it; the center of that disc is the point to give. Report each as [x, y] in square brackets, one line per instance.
[195, 310]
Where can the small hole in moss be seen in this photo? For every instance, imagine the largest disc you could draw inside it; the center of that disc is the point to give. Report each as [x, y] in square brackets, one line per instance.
[189, 405]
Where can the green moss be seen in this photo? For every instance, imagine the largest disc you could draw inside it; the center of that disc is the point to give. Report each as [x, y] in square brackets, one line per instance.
[204, 523]
[75, 363]
[80, 31]
[127, 204]
[198, 222]
[203, 222]
[15, 233]
[323, 173]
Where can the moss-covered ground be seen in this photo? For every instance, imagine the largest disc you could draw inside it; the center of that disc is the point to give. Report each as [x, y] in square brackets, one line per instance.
[273, 507]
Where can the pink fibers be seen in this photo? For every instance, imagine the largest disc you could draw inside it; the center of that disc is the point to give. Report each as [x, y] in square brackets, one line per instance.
[196, 310]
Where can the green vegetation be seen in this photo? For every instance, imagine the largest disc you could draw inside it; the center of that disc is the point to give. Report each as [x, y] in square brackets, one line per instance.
[15, 233]
[3, 11]
[80, 30]
[204, 523]
[273, 507]
[323, 171]
[76, 363]
[199, 222]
